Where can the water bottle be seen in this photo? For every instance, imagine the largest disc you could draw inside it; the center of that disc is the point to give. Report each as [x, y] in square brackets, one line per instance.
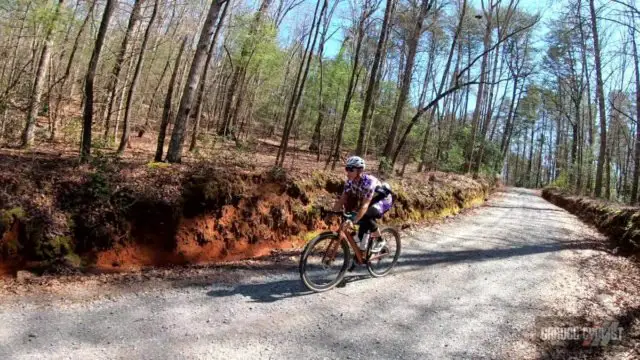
[364, 241]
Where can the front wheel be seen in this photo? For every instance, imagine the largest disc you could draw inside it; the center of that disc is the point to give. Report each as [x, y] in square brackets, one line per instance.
[324, 261]
[381, 263]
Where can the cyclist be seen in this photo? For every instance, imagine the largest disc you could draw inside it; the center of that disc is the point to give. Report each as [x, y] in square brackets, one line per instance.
[372, 197]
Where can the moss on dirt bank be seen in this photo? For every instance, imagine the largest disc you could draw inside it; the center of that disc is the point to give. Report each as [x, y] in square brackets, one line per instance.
[620, 223]
[59, 216]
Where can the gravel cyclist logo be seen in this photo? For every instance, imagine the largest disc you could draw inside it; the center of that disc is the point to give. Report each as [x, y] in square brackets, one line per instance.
[561, 329]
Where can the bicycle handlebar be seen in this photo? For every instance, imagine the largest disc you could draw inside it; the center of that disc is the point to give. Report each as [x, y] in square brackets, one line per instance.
[343, 214]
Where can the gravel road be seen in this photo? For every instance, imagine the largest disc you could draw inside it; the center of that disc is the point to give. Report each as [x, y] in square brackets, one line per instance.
[469, 287]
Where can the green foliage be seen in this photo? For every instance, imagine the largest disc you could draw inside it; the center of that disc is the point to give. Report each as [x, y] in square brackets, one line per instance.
[385, 165]
[71, 129]
[245, 146]
[7, 216]
[11, 246]
[455, 159]
[562, 181]
[157, 165]
[277, 173]
[99, 186]
[490, 157]
[59, 246]
[44, 14]
[101, 143]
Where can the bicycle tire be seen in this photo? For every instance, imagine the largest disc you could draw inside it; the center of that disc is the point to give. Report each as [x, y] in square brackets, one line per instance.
[394, 236]
[303, 267]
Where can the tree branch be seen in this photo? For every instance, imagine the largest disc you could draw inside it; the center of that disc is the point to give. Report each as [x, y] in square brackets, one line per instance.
[630, 7]
[622, 112]
[498, 43]
[228, 55]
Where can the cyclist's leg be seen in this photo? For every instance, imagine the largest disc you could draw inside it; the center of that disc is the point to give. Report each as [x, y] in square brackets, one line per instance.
[368, 221]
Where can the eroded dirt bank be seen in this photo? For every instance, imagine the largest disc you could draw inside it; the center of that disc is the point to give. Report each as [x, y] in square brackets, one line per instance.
[58, 216]
[621, 223]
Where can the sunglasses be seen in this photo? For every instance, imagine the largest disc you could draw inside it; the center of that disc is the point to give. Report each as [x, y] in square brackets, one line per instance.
[350, 169]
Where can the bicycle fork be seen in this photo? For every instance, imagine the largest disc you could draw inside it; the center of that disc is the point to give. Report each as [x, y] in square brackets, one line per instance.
[332, 251]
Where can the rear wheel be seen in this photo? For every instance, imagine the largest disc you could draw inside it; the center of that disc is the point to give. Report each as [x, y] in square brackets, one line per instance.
[324, 261]
[381, 263]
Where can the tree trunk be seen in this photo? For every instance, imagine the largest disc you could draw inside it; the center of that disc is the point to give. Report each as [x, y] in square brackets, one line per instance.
[490, 105]
[87, 115]
[350, 90]
[480, 98]
[120, 99]
[317, 135]
[428, 74]
[440, 94]
[607, 174]
[583, 52]
[530, 167]
[295, 99]
[174, 154]
[425, 6]
[126, 128]
[539, 171]
[166, 112]
[600, 100]
[241, 66]
[67, 71]
[373, 76]
[153, 98]
[41, 74]
[205, 75]
[636, 160]
[316, 139]
[120, 59]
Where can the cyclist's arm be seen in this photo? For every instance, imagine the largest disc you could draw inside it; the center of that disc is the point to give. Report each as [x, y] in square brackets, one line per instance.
[340, 202]
[362, 211]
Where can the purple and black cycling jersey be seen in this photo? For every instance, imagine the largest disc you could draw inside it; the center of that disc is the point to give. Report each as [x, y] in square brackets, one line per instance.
[364, 188]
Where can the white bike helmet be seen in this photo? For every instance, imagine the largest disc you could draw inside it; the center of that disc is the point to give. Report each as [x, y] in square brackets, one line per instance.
[355, 162]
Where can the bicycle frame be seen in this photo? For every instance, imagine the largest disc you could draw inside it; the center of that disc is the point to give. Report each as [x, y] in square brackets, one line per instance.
[360, 255]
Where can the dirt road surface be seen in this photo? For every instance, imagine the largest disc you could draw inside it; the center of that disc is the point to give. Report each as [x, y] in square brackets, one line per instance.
[470, 287]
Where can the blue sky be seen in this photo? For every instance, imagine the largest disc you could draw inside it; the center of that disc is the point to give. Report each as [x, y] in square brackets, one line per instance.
[342, 18]
[550, 11]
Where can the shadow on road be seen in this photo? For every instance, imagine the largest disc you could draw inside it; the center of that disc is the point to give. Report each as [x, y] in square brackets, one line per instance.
[411, 262]
[265, 292]
[268, 292]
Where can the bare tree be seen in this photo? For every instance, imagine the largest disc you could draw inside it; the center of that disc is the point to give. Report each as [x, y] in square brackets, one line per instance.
[367, 10]
[87, 115]
[457, 85]
[41, 74]
[174, 154]
[382, 39]
[126, 128]
[166, 112]
[300, 81]
[599, 99]
[636, 163]
[120, 59]
[412, 43]
[205, 75]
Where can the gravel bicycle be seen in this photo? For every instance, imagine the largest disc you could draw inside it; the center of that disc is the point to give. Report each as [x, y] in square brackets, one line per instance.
[327, 257]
